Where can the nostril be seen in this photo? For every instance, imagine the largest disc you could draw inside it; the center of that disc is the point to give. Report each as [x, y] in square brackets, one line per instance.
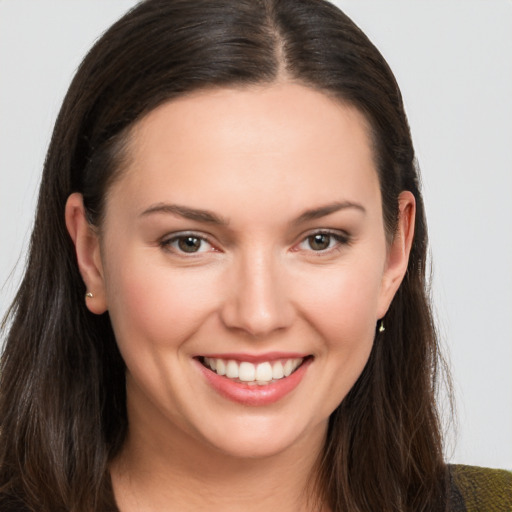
[255, 320]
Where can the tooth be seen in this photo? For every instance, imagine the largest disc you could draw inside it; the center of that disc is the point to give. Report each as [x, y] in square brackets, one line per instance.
[232, 370]
[260, 374]
[221, 367]
[264, 372]
[246, 371]
[296, 363]
[277, 370]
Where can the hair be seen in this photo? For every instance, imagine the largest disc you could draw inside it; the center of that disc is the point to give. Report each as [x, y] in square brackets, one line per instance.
[62, 390]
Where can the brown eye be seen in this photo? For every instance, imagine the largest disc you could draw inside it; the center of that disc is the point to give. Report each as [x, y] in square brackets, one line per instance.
[189, 243]
[319, 242]
[183, 244]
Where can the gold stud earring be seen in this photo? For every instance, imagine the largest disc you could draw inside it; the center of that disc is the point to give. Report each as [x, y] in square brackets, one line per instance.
[89, 295]
[381, 325]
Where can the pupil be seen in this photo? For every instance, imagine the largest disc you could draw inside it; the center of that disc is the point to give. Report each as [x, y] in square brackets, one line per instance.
[319, 242]
[189, 244]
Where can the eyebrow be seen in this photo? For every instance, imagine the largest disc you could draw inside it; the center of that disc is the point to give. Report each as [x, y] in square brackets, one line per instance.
[187, 213]
[212, 218]
[323, 211]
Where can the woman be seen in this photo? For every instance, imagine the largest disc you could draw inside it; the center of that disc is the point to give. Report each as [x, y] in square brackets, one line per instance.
[225, 300]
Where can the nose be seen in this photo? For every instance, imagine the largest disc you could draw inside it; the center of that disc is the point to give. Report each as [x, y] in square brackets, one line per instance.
[257, 301]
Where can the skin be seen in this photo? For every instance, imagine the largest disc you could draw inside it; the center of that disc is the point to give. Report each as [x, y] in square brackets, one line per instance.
[258, 158]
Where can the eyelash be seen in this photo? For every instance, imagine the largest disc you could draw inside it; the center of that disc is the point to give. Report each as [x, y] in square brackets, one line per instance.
[167, 243]
[341, 239]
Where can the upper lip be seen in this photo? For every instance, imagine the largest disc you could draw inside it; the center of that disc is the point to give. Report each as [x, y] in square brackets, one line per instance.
[255, 358]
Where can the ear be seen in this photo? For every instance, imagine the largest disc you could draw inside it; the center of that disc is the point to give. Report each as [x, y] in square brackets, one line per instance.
[87, 247]
[398, 252]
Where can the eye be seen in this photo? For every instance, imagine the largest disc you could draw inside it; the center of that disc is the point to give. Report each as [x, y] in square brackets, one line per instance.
[187, 244]
[323, 241]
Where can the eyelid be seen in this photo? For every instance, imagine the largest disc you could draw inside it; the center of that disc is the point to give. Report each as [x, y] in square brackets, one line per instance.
[342, 237]
[166, 241]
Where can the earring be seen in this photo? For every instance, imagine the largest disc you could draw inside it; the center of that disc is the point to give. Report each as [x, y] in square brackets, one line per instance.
[381, 327]
[89, 295]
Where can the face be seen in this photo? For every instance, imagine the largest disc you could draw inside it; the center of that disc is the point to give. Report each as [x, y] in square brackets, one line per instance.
[244, 264]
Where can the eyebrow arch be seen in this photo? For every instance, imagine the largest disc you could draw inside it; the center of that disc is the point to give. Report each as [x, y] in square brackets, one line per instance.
[212, 218]
[186, 212]
[323, 211]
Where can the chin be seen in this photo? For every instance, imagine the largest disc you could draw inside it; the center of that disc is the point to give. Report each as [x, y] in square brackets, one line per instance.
[263, 439]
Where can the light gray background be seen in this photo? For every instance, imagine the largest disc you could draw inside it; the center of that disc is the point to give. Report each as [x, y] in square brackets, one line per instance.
[453, 61]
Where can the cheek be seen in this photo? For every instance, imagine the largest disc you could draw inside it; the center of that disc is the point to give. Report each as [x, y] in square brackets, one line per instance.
[349, 329]
[343, 314]
[342, 303]
[155, 306]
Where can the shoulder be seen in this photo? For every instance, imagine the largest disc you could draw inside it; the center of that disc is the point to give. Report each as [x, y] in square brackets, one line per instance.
[476, 489]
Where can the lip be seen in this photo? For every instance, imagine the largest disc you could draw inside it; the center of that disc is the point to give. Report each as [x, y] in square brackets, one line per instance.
[255, 395]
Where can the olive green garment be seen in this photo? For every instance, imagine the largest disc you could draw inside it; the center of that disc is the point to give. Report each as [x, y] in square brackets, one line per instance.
[476, 489]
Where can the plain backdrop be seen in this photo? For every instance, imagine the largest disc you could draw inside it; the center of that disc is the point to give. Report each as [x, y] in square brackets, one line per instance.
[453, 61]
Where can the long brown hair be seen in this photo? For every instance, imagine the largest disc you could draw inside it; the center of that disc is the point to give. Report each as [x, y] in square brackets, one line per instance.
[62, 392]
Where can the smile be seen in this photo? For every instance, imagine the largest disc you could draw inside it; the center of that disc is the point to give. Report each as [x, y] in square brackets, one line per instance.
[254, 380]
[262, 373]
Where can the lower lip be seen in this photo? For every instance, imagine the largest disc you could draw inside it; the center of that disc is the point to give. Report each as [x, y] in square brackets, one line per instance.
[255, 395]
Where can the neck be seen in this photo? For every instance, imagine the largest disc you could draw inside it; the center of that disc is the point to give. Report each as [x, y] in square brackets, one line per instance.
[173, 471]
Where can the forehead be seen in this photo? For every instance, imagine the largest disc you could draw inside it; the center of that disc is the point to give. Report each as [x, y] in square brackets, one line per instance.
[255, 143]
